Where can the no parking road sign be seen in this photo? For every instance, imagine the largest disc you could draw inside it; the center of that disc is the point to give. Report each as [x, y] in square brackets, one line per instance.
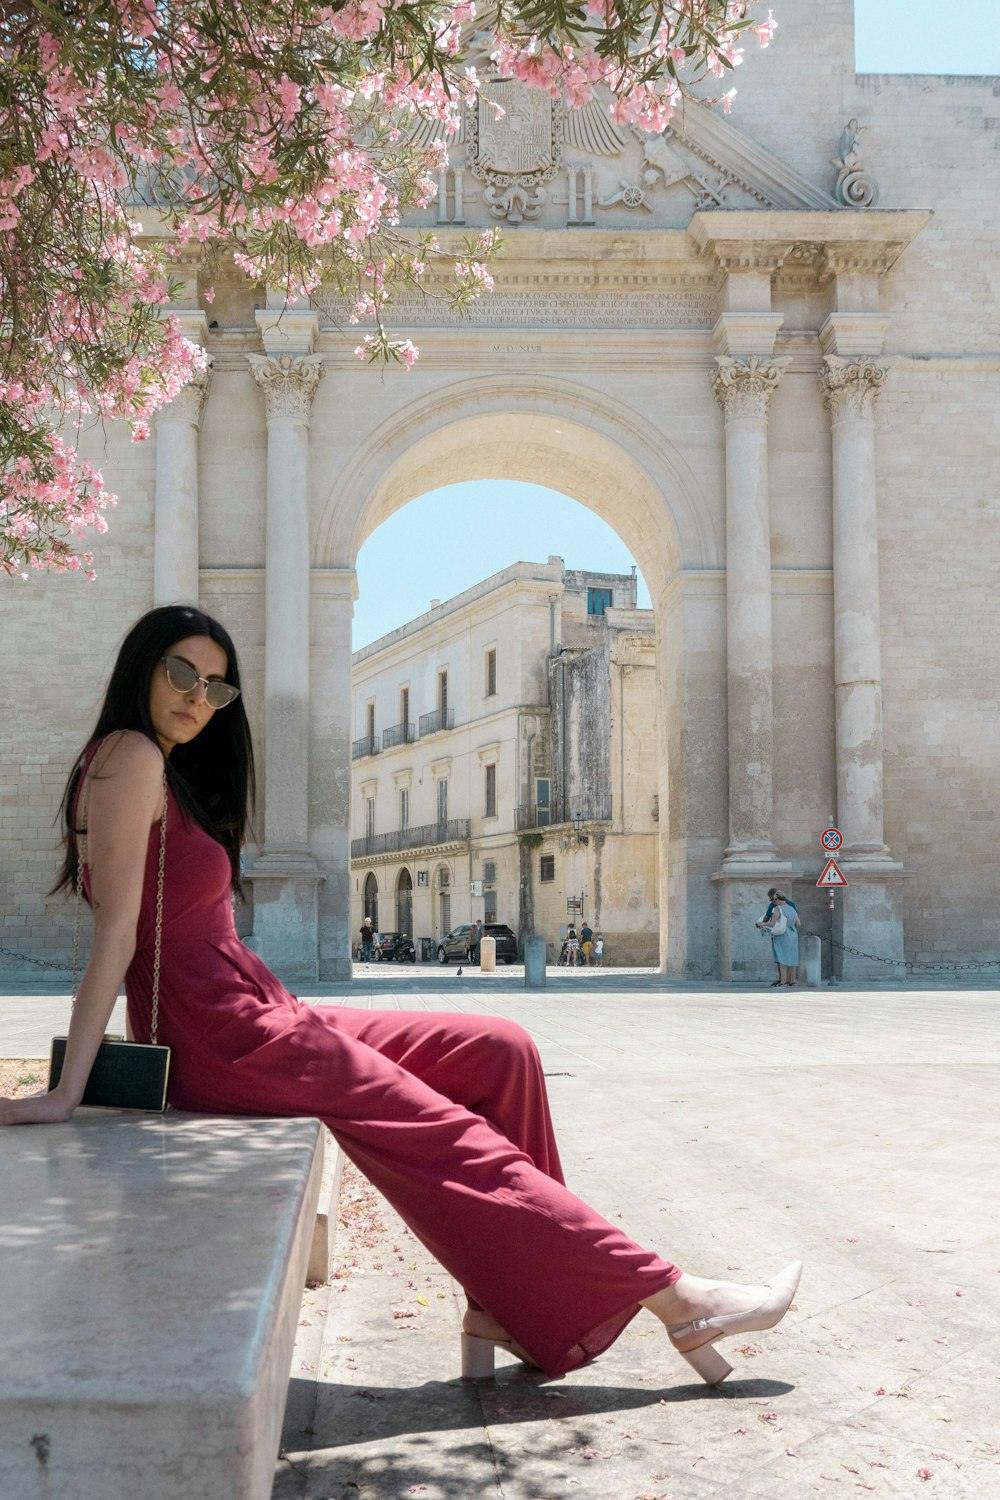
[831, 839]
[832, 875]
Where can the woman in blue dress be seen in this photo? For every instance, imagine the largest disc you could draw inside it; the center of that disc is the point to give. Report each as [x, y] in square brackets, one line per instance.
[784, 943]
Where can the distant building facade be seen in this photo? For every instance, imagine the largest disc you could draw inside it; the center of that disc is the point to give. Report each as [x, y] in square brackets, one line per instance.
[504, 764]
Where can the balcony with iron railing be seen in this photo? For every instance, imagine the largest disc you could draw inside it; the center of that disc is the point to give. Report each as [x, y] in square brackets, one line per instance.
[424, 836]
[590, 809]
[399, 734]
[367, 745]
[441, 718]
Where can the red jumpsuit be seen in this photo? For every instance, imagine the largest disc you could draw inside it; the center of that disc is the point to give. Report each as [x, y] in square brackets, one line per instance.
[446, 1114]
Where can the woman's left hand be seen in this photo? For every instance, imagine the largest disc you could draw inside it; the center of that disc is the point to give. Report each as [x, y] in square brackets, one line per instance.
[37, 1109]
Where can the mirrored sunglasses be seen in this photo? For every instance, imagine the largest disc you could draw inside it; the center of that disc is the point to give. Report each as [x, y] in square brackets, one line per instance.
[183, 678]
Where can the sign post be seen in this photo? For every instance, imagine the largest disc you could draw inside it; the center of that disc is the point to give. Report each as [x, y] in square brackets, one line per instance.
[831, 879]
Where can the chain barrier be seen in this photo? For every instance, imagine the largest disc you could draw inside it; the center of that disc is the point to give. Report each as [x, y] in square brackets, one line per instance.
[971, 966]
[26, 958]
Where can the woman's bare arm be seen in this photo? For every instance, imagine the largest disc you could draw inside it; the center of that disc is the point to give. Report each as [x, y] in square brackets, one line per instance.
[123, 797]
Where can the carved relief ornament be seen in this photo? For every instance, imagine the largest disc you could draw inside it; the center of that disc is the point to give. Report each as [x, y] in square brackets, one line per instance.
[743, 387]
[851, 387]
[288, 382]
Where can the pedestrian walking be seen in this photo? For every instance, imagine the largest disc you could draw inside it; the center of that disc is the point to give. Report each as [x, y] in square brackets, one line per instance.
[368, 936]
[447, 1115]
[586, 943]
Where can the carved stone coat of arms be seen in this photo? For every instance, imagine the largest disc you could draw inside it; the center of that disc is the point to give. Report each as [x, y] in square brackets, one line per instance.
[514, 146]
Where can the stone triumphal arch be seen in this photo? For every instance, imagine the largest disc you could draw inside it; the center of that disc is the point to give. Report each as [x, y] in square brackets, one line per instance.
[730, 341]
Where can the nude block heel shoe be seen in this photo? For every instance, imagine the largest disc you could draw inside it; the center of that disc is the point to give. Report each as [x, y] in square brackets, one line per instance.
[477, 1357]
[704, 1357]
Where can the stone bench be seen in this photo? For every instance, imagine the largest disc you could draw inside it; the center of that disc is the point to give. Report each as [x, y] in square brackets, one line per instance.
[152, 1275]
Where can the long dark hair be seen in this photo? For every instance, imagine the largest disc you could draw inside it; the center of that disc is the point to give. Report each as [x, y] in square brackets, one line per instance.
[212, 777]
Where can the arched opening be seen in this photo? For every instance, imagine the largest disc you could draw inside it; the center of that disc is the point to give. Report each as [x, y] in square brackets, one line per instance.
[370, 901]
[404, 903]
[621, 468]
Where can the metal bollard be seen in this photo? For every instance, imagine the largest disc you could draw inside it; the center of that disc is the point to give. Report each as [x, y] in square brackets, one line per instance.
[534, 962]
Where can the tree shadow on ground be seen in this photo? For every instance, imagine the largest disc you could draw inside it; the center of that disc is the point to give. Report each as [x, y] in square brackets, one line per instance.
[380, 1442]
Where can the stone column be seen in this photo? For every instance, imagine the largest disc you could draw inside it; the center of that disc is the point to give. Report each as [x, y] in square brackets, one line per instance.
[867, 917]
[286, 874]
[850, 391]
[334, 591]
[744, 388]
[175, 513]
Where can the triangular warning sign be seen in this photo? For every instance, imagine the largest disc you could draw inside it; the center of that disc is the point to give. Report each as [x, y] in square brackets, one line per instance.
[832, 874]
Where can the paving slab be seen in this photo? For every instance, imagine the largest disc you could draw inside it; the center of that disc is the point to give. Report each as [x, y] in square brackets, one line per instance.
[731, 1130]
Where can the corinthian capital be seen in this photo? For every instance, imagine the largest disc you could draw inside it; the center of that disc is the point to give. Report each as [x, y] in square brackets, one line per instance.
[289, 383]
[743, 387]
[189, 403]
[851, 387]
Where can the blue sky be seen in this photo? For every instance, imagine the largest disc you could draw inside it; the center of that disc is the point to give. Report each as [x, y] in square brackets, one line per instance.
[449, 530]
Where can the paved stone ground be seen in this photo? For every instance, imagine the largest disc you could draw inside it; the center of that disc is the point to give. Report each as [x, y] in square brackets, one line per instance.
[731, 1130]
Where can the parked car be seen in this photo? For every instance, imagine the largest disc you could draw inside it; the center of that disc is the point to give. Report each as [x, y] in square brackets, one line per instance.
[395, 945]
[456, 944]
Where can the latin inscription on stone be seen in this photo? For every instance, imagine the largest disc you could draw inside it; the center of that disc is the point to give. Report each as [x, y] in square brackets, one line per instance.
[639, 309]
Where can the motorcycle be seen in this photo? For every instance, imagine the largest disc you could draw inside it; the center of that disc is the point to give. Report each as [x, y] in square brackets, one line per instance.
[399, 947]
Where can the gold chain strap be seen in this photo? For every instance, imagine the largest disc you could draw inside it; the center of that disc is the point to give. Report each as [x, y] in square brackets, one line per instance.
[158, 938]
[159, 914]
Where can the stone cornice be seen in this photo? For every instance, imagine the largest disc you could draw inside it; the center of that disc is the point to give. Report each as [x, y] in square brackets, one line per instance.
[870, 240]
[422, 853]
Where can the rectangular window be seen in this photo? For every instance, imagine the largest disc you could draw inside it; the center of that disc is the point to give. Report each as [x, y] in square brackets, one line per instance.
[443, 800]
[546, 867]
[442, 694]
[489, 872]
[370, 720]
[491, 791]
[543, 813]
[370, 817]
[404, 807]
[404, 705]
[490, 906]
[598, 600]
[491, 672]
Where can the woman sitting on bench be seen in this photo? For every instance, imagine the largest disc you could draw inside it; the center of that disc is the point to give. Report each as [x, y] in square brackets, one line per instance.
[445, 1114]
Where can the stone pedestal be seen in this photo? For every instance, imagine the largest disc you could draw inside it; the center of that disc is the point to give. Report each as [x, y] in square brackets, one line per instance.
[868, 918]
[744, 951]
[286, 914]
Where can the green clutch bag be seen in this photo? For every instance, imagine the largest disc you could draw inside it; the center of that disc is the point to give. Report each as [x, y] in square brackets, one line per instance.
[125, 1075]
